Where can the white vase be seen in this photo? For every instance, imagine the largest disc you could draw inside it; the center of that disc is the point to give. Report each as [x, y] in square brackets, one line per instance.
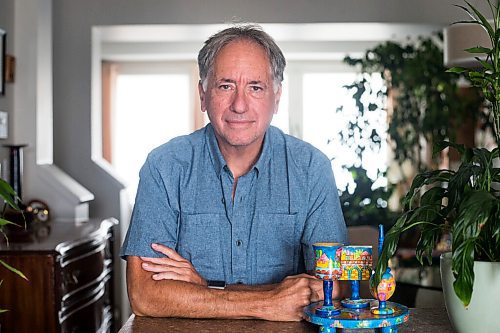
[482, 315]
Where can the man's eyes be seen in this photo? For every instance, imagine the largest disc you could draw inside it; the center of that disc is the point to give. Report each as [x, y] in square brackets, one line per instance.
[253, 89]
[256, 88]
[225, 87]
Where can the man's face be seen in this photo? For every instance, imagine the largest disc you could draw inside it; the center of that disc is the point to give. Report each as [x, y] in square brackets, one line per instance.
[240, 97]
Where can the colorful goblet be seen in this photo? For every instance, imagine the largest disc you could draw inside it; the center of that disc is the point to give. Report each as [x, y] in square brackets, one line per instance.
[356, 264]
[328, 268]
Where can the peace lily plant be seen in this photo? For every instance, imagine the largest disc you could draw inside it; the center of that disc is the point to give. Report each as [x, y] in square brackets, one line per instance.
[463, 202]
[10, 200]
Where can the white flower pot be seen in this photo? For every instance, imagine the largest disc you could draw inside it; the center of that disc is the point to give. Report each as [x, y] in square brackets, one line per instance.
[483, 313]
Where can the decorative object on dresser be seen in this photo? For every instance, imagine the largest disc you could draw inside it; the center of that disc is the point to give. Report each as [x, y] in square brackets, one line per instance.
[71, 285]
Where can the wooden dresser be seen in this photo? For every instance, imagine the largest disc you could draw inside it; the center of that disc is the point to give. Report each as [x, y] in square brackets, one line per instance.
[70, 270]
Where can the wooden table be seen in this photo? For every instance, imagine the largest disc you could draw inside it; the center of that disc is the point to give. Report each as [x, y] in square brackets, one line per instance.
[421, 320]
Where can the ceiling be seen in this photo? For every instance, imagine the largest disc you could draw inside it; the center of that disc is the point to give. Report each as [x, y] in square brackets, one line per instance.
[311, 41]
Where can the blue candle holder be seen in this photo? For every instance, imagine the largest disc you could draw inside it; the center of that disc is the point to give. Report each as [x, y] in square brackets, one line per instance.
[328, 269]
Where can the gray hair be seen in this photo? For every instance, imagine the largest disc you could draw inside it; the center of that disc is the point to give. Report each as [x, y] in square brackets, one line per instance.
[252, 32]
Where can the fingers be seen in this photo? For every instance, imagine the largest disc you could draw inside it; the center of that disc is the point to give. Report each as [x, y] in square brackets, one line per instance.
[151, 267]
[167, 251]
[171, 275]
[172, 258]
[166, 261]
[303, 275]
[316, 290]
[171, 267]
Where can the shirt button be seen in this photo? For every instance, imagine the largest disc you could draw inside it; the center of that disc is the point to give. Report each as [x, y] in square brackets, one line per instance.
[239, 242]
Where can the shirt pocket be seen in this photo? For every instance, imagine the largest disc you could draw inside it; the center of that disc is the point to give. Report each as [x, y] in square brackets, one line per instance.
[277, 247]
[199, 242]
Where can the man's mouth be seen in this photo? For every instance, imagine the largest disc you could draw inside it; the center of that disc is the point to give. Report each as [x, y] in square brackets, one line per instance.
[237, 123]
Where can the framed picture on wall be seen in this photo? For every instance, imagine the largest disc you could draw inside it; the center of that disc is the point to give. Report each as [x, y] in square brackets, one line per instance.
[2, 61]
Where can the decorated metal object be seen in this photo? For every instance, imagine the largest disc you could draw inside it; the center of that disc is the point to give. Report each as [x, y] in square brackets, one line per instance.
[327, 268]
[356, 263]
[353, 263]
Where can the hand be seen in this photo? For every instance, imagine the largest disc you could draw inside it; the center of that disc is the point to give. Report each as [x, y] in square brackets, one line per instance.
[291, 295]
[171, 267]
[315, 284]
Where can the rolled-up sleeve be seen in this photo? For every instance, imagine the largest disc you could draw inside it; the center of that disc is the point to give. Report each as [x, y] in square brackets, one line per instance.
[154, 218]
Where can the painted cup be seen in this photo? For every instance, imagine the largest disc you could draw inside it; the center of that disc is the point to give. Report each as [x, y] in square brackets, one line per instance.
[327, 268]
[356, 262]
[327, 263]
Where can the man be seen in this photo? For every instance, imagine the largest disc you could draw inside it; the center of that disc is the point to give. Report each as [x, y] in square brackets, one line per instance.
[237, 201]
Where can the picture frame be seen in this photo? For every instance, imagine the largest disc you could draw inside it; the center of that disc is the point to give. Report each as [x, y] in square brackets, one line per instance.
[3, 38]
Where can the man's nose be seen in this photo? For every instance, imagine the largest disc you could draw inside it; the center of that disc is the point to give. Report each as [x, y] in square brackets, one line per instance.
[239, 103]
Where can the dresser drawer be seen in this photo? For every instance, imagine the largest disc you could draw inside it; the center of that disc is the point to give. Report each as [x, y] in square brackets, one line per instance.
[82, 264]
[88, 310]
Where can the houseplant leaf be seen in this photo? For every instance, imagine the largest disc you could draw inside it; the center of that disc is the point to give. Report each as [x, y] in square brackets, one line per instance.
[463, 270]
[8, 194]
[12, 269]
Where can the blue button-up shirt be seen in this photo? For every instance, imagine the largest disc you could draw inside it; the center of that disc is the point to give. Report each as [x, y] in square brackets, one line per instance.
[283, 205]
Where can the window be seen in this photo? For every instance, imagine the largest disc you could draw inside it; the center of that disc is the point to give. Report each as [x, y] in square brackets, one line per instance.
[149, 109]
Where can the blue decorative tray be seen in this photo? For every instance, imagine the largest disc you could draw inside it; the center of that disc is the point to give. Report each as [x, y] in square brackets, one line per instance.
[359, 318]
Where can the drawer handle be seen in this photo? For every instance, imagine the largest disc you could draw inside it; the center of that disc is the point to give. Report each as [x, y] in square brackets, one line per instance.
[72, 278]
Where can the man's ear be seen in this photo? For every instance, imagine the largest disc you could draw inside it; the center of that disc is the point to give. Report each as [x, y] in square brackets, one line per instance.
[201, 91]
[277, 97]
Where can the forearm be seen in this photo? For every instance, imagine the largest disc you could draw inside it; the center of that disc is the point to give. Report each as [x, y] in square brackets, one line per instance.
[169, 298]
[245, 287]
[172, 298]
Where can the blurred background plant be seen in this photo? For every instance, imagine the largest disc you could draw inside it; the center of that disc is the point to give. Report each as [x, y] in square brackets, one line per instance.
[417, 99]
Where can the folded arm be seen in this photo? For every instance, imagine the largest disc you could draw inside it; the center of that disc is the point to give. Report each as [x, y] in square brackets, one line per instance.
[171, 287]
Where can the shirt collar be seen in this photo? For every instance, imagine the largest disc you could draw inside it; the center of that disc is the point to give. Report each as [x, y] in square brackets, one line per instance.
[218, 160]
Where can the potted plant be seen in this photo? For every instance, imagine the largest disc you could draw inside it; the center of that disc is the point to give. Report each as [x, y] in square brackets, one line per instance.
[10, 198]
[464, 202]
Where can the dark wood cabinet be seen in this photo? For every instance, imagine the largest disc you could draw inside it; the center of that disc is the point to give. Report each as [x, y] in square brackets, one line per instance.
[70, 270]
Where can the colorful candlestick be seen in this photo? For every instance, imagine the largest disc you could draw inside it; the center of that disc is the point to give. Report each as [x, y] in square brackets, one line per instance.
[385, 289]
[328, 268]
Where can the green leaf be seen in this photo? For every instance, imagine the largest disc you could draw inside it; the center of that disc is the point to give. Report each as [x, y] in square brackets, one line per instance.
[433, 196]
[463, 270]
[430, 235]
[4, 222]
[457, 70]
[12, 269]
[478, 49]
[476, 75]
[481, 20]
[8, 194]
[474, 212]
[485, 64]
